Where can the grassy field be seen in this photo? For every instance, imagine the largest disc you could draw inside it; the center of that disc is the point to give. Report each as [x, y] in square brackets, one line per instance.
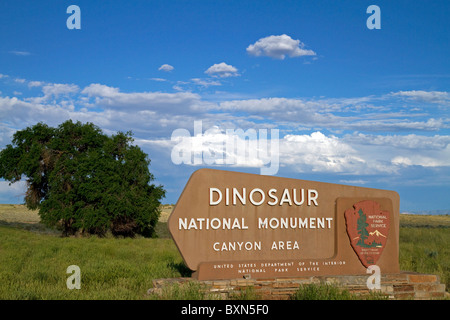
[424, 245]
[34, 259]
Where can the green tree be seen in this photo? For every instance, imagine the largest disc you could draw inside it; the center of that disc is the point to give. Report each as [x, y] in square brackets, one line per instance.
[83, 180]
[362, 228]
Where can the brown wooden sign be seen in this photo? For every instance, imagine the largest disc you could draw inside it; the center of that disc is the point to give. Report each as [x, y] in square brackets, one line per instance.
[234, 225]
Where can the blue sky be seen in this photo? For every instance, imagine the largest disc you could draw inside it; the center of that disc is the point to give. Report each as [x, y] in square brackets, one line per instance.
[352, 105]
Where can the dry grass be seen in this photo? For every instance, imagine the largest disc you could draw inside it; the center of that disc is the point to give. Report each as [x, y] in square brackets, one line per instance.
[18, 213]
[424, 221]
[166, 210]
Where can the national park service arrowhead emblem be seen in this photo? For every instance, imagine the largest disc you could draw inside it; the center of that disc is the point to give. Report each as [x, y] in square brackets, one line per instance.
[368, 229]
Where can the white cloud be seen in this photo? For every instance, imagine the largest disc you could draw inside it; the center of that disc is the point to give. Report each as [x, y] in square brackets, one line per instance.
[354, 182]
[164, 111]
[6, 134]
[60, 91]
[329, 114]
[158, 79]
[20, 53]
[421, 160]
[222, 70]
[395, 124]
[409, 141]
[168, 103]
[19, 113]
[32, 84]
[57, 89]
[318, 153]
[278, 47]
[399, 160]
[97, 89]
[403, 150]
[166, 68]
[15, 191]
[205, 82]
[425, 96]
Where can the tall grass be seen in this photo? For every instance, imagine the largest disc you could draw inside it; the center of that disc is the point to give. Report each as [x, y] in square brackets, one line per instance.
[33, 266]
[426, 250]
[331, 292]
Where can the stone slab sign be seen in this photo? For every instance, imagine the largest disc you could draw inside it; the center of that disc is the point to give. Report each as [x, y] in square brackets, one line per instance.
[230, 225]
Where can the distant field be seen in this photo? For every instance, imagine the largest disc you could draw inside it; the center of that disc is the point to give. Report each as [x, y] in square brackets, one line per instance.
[34, 259]
[18, 213]
[424, 221]
[166, 210]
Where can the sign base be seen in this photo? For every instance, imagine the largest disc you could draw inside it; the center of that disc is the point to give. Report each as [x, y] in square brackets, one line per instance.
[395, 286]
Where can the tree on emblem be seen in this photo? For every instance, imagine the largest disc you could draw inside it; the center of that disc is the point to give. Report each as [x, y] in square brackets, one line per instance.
[362, 229]
[363, 233]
